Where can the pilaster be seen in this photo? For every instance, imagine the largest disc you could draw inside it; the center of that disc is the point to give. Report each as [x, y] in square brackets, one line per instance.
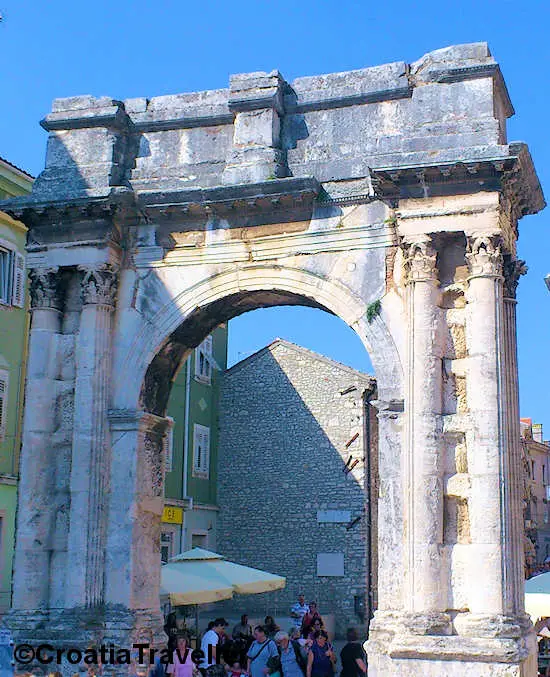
[31, 591]
[135, 510]
[90, 456]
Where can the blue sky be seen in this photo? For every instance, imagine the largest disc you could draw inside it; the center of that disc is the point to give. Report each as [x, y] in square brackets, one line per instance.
[139, 48]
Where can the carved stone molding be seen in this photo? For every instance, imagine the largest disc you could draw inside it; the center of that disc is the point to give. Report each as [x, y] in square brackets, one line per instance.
[45, 288]
[99, 285]
[420, 261]
[153, 457]
[513, 270]
[484, 256]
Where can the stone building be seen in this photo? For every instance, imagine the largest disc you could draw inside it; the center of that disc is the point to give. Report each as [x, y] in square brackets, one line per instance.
[190, 507]
[536, 495]
[294, 468]
[14, 321]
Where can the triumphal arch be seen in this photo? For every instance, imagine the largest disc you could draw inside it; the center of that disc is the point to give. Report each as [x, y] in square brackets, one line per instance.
[389, 196]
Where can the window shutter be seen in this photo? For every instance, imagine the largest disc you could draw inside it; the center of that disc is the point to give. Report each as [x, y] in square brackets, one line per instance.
[3, 403]
[19, 281]
[201, 450]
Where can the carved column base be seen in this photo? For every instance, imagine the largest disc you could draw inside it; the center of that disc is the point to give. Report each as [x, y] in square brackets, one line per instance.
[502, 647]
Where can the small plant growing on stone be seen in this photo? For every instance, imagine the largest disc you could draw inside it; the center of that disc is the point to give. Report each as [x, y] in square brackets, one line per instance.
[373, 309]
[391, 221]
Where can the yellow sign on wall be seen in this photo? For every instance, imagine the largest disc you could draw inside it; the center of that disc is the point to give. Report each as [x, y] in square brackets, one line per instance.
[172, 515]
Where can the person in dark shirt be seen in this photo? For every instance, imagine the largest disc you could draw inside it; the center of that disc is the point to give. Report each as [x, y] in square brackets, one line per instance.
[353, 656]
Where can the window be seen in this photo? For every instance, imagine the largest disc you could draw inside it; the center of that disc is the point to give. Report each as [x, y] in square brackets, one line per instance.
[203, 361]
[165, 546]
[12, 277]
[543, 473]
[201, 451]
[199, 541]
[4, 378]
[532, 470]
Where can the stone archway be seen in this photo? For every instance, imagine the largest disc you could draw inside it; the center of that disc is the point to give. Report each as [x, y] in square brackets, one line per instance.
[387, 196]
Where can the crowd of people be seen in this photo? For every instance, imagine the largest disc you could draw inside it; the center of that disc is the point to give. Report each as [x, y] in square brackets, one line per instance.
[265, 650]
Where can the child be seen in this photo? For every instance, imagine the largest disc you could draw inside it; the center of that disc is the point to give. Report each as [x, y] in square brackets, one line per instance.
[235, 670]
[274, 666]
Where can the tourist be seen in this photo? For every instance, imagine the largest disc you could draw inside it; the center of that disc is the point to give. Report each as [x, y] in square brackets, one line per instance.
[210, 641]
[353, 657]
[181, 665]
[157, 668]
[316, 627]
[261, 649]
[171, 629]
[309, 619]
[243, 630]
[243, 637]
[235, 670]
[299, 610]
[290, 652]
[271, 628]
[321, 658]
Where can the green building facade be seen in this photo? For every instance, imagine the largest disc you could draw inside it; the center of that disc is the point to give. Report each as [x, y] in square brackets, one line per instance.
[191, 509]
[14, 320]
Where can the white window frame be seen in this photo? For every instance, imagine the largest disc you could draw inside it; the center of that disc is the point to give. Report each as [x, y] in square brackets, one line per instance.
[12, 276]
[203, 361]
[201, 451]
[4, 387]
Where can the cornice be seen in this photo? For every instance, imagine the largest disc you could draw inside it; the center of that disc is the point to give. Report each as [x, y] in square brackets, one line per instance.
[266, 194]
[513, 174]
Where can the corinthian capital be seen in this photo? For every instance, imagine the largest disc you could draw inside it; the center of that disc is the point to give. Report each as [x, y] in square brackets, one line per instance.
[420, 261]
[513, 270]
[45, 288]
[99, 285]
[484, 257]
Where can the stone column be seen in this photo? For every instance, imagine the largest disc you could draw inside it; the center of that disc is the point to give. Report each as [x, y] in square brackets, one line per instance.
[423, 458]
[489, 576]
[134, 525]
[514, 556]
[90, 456]
[34, 517]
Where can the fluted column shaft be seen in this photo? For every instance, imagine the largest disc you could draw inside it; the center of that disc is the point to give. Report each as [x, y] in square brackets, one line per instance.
[514, 554]
[90, 454]
[489, 584]
[34, 520]
[423, 459]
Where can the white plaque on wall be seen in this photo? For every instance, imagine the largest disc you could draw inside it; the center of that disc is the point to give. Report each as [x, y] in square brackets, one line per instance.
[334, 516]
[330, 564]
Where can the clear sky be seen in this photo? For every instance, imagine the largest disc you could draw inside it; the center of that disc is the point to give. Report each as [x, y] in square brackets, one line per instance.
[142, 48]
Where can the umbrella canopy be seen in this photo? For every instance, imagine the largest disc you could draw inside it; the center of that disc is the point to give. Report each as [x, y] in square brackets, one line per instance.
[199, 576]
[537, 596]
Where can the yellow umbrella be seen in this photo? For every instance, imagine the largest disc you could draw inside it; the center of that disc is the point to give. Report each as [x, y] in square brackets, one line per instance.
[199, 576]
[537, 596]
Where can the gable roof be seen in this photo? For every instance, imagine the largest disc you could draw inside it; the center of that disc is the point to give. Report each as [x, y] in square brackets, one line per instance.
[305, 352]
[16, 168]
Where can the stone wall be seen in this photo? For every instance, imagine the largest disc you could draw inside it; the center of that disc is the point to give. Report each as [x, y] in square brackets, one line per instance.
[290, 420]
